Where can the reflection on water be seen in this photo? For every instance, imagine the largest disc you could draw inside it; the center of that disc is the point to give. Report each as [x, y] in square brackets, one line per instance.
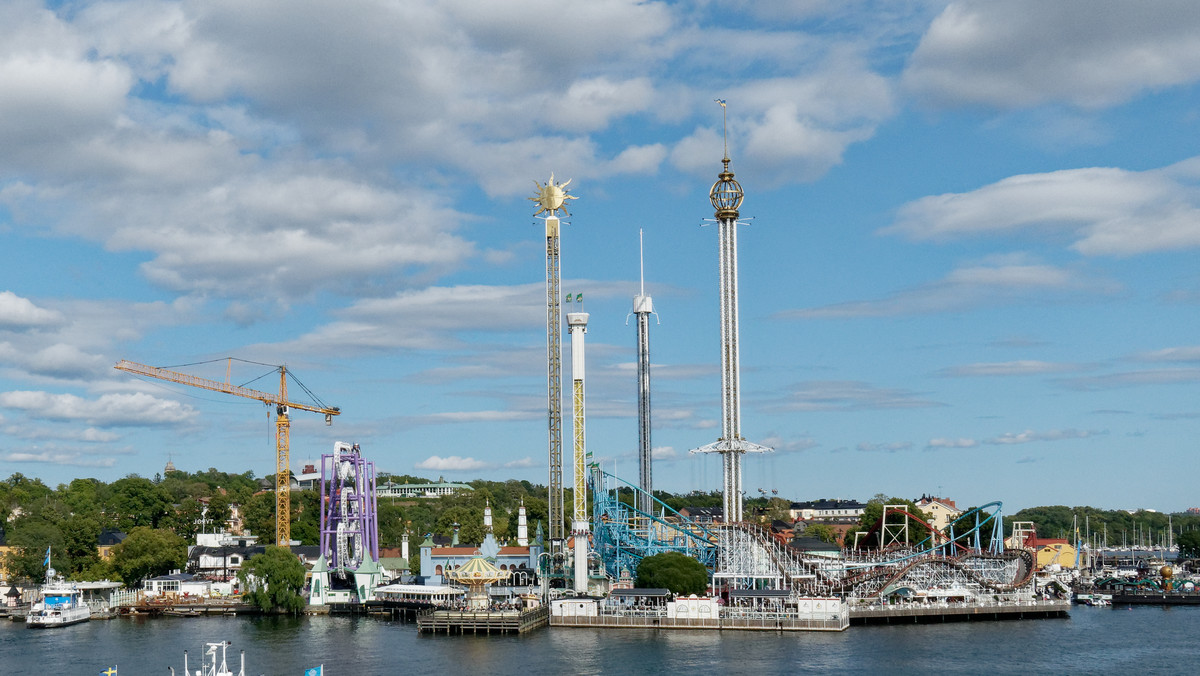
[1095, 640]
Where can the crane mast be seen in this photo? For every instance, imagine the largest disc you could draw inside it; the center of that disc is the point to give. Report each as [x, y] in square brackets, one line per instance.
[283, 487]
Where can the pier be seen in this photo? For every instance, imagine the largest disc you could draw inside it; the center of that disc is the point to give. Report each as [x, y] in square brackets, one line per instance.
[757, 622]
[916, 613]
[482, 622]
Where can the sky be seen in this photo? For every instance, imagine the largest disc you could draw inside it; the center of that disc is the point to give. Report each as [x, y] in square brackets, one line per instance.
[967, 259]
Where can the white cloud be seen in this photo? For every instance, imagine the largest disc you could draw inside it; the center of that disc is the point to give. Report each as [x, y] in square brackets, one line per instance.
[664, 453]
[67, 458]
[59, 360]
[1022, 367]
[1029, 436]
[1017, 53]
[1002, 280]
[848, 396]
[890, 447]
[109, 410]
[1190, 353]
[951, 443]
[17, 313]
[788, 445]
[1106, 211]
[453, 463]
[1134, 379]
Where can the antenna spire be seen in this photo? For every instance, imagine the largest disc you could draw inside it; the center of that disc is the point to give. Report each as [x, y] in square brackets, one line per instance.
[724, 130]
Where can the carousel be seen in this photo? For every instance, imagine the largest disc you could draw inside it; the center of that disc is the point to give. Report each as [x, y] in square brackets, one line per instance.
[476, 575]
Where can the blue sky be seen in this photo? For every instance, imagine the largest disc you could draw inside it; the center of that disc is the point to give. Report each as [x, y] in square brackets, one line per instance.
[970, 268]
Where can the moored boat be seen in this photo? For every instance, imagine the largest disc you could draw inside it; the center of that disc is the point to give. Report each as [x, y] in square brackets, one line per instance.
[59, 605]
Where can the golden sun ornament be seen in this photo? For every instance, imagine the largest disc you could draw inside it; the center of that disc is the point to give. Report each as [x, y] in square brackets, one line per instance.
[552, 197]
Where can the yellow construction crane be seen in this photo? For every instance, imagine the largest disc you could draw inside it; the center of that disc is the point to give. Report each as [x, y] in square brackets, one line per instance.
[283, 488]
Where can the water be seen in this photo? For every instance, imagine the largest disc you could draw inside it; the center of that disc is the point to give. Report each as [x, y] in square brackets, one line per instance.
[1120, 640]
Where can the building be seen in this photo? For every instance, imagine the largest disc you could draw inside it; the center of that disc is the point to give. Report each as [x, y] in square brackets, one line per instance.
[309, 478]
[219, 556]
[941, 511]
[430, 490]
[838, 509]
[108, 540]
[520, 561]
[705, 516]
[1053, 551]
[176, 585]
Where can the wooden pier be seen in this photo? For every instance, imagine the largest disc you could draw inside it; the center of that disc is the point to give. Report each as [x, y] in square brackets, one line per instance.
[919, 613]
[482, 622]
[759, 622]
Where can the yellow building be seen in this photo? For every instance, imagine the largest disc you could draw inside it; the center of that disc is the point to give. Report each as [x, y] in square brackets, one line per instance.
[940, 510]
[1052, 551]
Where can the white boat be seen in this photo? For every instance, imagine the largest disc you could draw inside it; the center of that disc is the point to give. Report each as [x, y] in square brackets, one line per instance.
[211, 664]
[59, 604]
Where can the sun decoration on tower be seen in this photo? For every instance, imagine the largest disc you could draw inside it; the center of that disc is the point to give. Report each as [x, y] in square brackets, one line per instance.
[552, 197]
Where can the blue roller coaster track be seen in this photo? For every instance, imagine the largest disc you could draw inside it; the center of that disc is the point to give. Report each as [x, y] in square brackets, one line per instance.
[624, 535]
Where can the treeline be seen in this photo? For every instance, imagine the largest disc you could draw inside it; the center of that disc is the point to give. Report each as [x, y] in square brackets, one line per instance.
[161, 516]
[1121, 527]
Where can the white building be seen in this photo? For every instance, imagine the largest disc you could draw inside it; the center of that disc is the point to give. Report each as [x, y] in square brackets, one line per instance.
[940, 510]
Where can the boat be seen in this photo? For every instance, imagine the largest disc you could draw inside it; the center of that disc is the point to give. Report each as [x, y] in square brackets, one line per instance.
[59, 604]
[211, 664]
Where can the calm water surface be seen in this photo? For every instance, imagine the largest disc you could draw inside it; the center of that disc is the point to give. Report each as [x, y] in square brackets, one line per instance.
[1141, 640]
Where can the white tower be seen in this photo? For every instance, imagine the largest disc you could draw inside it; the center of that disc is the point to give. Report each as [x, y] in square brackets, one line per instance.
[643, 307]
[487, 516]
[726, 196]
[522, 526]
[577, 326]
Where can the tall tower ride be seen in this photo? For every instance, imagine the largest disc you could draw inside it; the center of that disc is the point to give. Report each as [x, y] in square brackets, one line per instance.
[577, 326]
[726, 196]
[643, 307]
[551, 198]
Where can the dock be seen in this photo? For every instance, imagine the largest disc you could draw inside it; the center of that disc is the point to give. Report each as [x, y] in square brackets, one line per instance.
[758, 622]
[482, 622]
[190, 609]
[919, 613]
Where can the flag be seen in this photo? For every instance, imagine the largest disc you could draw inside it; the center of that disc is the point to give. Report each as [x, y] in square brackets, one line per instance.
[109, 672]
[579, 298]
[568, 298]
[315, 671]
[47, 561]
[720, 101]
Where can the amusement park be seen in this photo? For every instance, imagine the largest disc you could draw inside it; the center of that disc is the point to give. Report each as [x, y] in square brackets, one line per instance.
[902, 569]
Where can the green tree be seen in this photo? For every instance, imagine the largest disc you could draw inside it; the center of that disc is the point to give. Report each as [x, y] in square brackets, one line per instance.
[218, 511]
[136, 501]
[1189, 544]
[273, 581]
[677, 572]
[822, 532]
[81, 534]
[30, 537]
[147, 552]
[258, 516]
[306, 517]
[469, 520]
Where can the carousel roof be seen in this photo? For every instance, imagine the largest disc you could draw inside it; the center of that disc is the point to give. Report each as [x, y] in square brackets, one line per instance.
[477, 571]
